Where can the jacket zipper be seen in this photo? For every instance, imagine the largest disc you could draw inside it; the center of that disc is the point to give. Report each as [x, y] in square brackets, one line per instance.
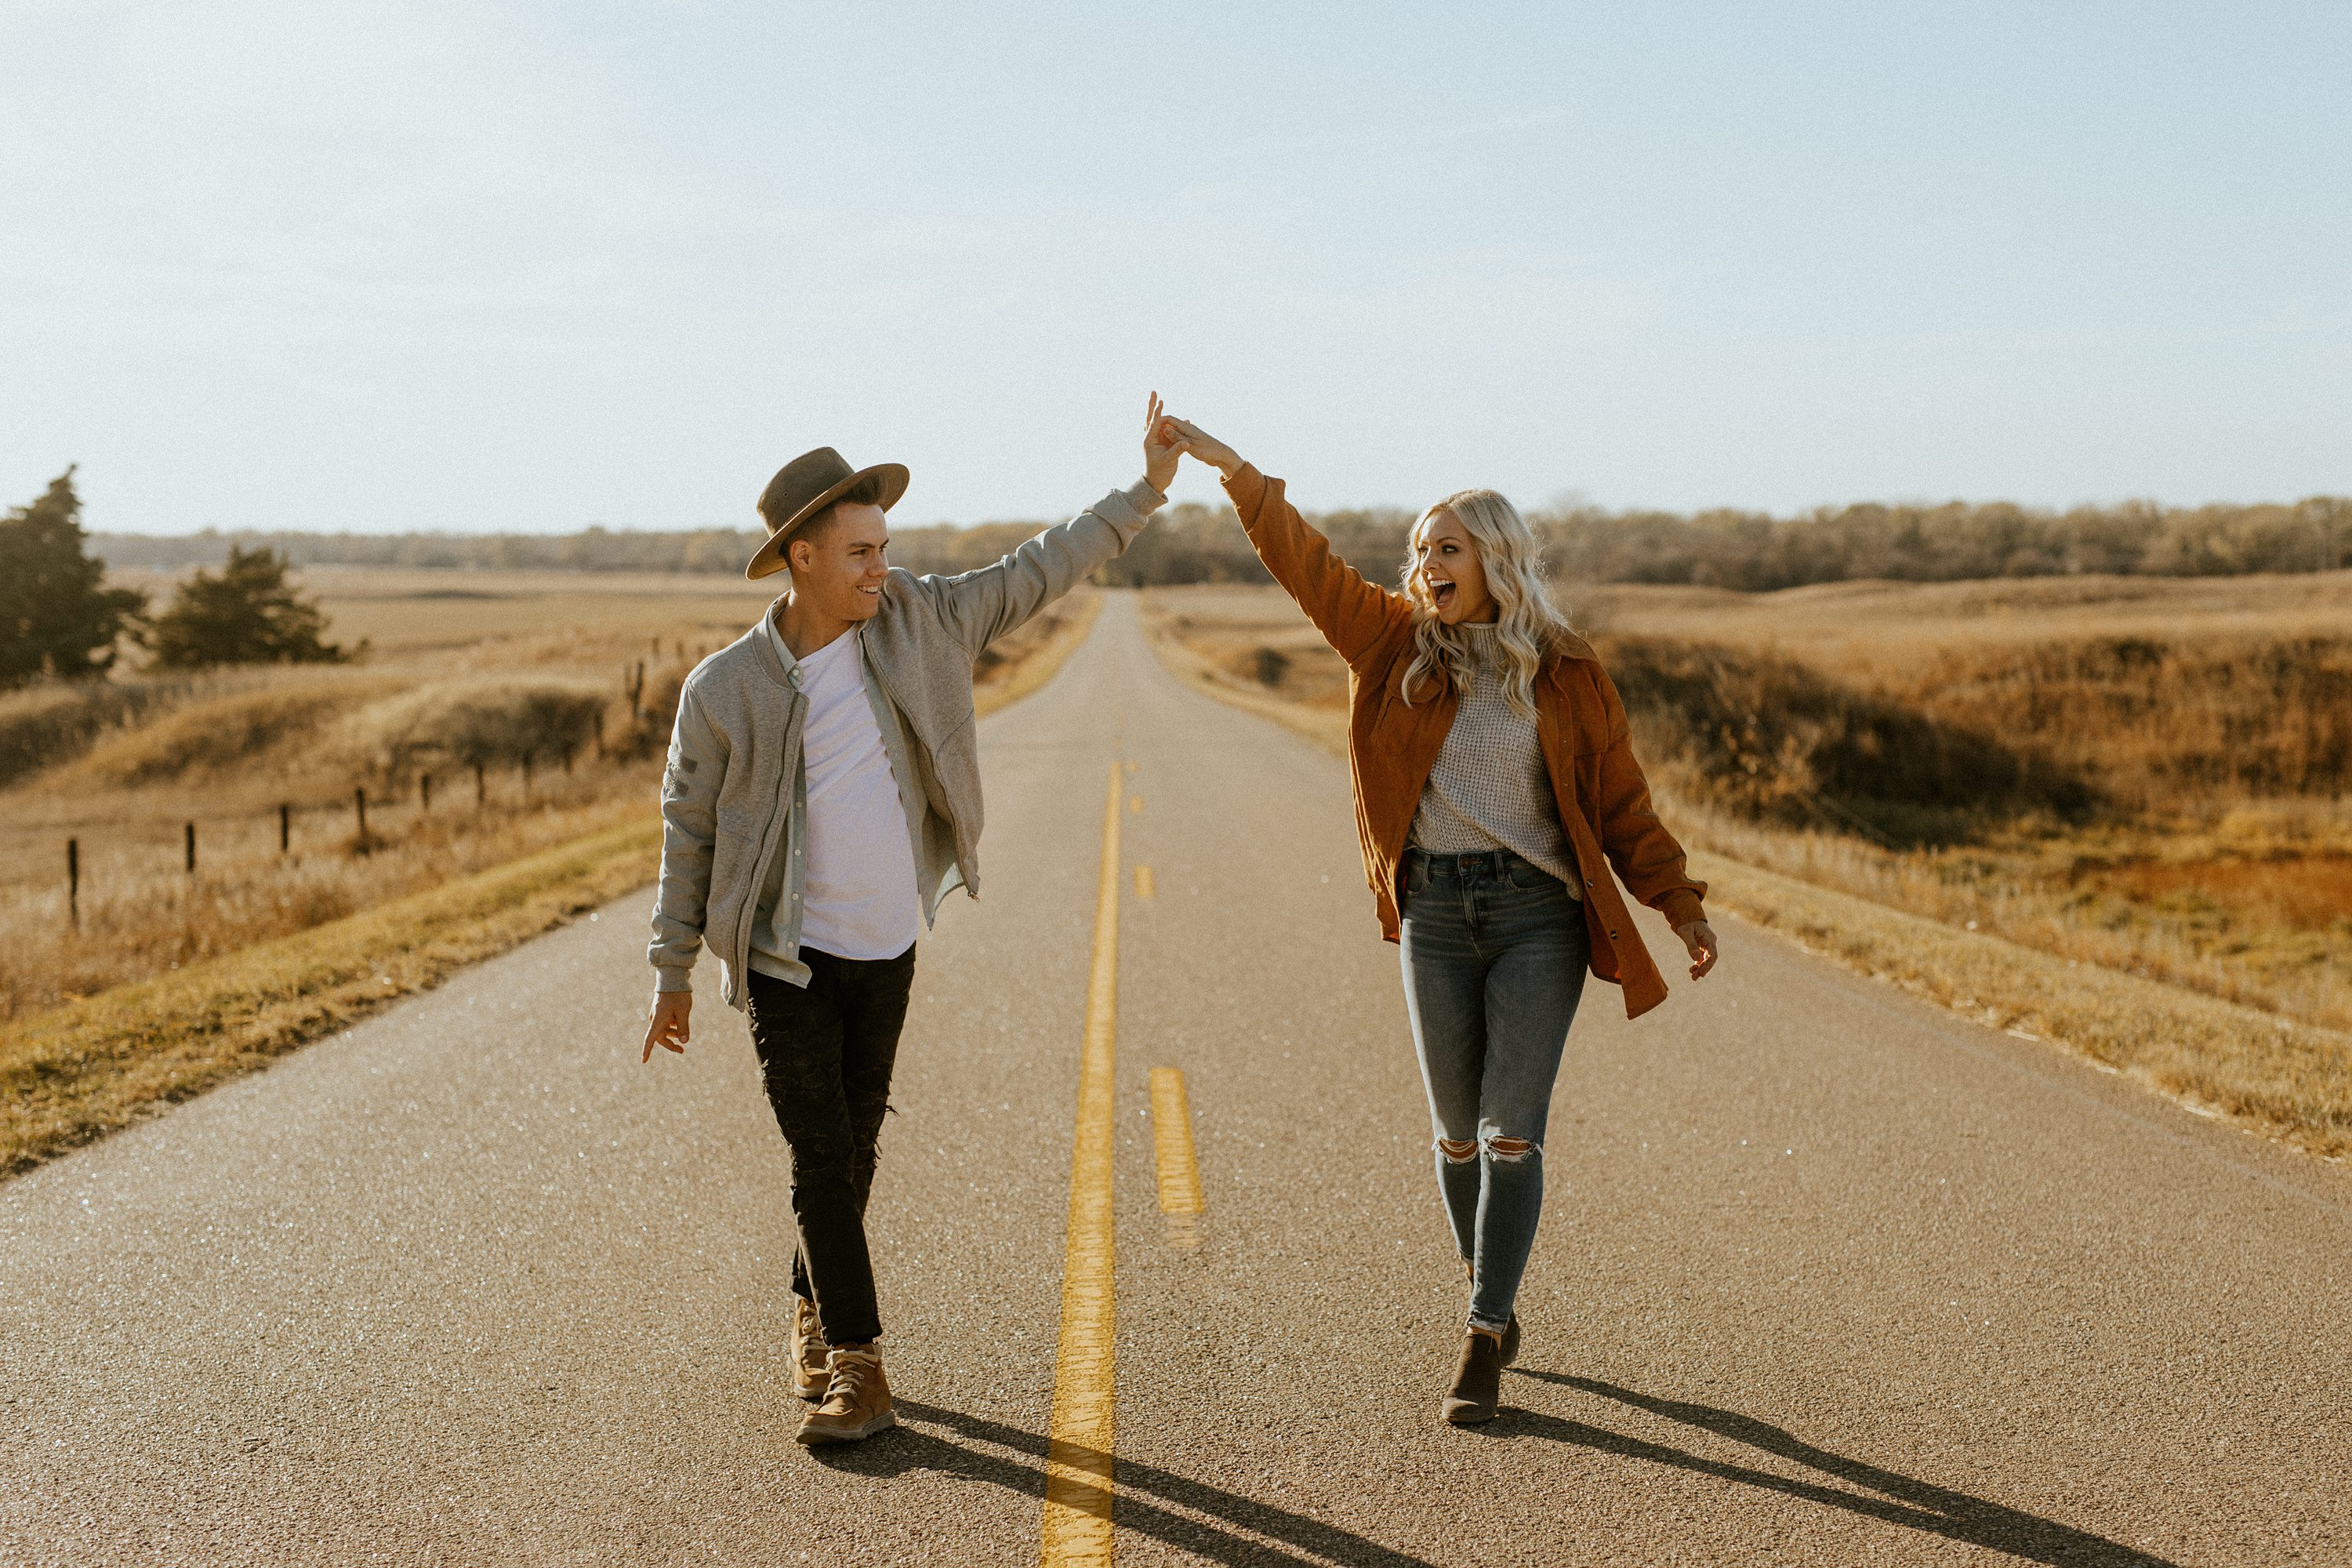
[760, 878]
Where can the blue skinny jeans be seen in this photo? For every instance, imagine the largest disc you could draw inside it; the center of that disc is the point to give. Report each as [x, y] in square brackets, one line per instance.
[1495, 955]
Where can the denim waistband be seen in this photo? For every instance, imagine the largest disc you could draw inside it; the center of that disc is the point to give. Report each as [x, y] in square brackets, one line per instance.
[1468, 863]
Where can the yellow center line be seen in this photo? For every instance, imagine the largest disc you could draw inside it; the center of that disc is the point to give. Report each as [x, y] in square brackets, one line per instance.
[1171, 1136]
[1077, 1526]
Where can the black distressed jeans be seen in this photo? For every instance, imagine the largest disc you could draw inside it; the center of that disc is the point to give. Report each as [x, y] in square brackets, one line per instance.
[825, 1053]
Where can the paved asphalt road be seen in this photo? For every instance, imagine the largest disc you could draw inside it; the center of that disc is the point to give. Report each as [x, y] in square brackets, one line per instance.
[1826, 1276]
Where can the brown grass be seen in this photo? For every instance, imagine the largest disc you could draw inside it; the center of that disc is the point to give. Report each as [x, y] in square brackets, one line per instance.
[2046, 893]
[142, 920]
[201, 738]
[75, 1072]
[2200, 881]
[2287, 1080]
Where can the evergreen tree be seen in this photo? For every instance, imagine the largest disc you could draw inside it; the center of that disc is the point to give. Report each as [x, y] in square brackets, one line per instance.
[55, 619]
[246, 615]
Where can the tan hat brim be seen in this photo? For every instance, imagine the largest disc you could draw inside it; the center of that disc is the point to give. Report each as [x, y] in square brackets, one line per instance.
[769, 559]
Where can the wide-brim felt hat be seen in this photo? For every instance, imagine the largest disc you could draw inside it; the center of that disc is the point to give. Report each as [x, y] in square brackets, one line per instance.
[805, 486]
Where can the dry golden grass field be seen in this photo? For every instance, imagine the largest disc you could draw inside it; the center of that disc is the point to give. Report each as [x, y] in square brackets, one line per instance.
[534, 708]
[2149, 777]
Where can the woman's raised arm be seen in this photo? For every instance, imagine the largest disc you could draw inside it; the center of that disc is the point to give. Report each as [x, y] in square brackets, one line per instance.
[1353, 613]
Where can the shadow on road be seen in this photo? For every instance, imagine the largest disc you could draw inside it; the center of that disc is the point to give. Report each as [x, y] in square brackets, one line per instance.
[1917, 1504]
[1303, 1540]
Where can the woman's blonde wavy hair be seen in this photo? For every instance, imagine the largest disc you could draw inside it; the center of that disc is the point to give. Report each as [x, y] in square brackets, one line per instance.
[1528, 626]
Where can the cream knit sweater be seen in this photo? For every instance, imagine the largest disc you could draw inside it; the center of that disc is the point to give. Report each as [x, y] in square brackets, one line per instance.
[1489, 788]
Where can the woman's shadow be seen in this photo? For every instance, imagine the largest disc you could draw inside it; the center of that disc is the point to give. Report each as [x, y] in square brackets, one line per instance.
[1899, 1500]
[1226, 1527]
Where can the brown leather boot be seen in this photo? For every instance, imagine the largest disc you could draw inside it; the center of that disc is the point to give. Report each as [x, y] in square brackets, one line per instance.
[1478, 1382]
[810, 1372]
[856, 1402]
[1510, 1332]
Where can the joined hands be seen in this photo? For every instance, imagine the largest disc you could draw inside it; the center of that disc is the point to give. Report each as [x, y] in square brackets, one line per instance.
[1187, 436]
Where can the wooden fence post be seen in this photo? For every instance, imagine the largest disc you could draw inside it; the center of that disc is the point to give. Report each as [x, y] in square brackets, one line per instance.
[359, 803]
[192, 849]
[73, 881]
[285, 828]
[424, 793]
[481, 786]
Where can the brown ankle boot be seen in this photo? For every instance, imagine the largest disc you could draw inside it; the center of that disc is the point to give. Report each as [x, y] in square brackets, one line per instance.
[1510, 1332]
[810, 1372]
[857, 1399]
[1478, 1382]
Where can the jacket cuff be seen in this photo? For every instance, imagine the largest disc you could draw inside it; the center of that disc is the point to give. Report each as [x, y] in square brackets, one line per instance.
[670, 977]
[1681, 906]
[1127, 511]
[1246, 490]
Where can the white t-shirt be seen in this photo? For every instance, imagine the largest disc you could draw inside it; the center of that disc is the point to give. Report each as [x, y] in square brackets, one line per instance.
[858, 897]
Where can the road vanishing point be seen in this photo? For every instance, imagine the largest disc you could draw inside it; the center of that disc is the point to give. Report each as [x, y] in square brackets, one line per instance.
[1825, 1275]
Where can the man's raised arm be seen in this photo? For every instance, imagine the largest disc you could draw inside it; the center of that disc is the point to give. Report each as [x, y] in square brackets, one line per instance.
[982, 607]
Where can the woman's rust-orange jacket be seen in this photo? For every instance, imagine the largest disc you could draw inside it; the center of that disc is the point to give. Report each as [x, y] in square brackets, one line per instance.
[1604, 802]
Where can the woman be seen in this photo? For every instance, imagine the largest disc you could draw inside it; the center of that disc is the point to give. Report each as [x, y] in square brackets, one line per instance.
[1494, 778]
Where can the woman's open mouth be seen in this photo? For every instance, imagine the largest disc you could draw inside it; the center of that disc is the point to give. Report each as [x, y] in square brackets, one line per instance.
[1441, 594]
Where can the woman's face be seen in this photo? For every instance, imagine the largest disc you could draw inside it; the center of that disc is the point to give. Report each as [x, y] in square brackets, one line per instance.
[1445, 558]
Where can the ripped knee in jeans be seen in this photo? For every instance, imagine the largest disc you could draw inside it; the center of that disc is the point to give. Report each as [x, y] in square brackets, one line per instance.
[1510, 1148]
[1458, 1150]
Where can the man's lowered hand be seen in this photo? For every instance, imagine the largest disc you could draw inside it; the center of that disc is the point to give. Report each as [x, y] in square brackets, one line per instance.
[668, 1028]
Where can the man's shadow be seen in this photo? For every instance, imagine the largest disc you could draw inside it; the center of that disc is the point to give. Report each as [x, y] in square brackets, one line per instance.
[1145, 1491]
[1301, 1541]
[1901, 1500]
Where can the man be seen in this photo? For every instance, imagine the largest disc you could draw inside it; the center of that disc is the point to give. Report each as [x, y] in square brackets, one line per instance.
[822, 795]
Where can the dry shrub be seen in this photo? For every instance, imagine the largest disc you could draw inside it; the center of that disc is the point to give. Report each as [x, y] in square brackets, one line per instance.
[2167, 724]
[1768, 736]
[1292, 662]
[216, 734]
[49, 725]
[476, 723]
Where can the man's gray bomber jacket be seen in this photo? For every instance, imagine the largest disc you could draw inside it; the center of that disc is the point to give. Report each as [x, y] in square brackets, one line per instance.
[735, 750]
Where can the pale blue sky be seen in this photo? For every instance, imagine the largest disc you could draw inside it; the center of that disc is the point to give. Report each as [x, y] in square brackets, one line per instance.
[467, 265]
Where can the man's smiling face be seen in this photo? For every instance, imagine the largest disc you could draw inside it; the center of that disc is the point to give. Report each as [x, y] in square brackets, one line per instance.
[837, 562]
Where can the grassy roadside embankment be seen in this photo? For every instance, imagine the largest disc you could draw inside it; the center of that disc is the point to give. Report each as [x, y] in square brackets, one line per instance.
[75, 1070]
[2244, 1030]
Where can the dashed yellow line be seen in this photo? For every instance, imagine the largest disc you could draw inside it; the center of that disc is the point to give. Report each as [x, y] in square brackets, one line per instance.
[1171, 1136]
[1134, 802]
[1144, 885]
[1076, 1525]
